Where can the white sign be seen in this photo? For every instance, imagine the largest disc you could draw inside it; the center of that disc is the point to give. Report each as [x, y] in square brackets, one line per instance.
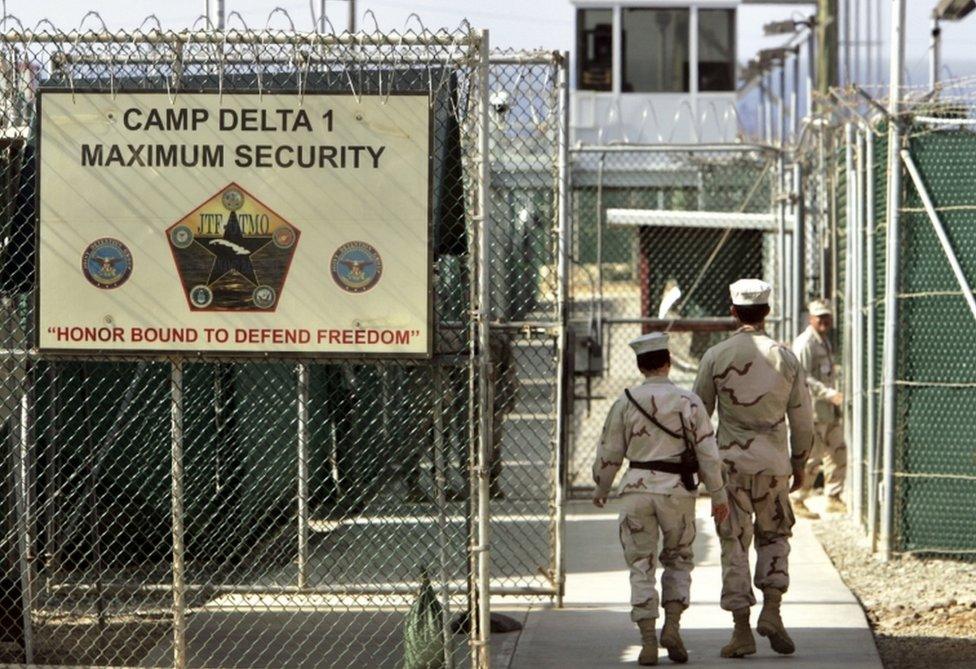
[234, 223]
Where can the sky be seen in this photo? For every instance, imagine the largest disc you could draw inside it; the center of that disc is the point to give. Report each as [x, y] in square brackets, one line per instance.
[513, 23]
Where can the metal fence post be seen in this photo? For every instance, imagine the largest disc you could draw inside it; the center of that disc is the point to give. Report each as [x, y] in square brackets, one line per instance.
[303, 512]
[599, 247]
[440, 484]
[872, 399]
[485, 408]
[781, 103]
[563, 403]
[825, 219]
[890, 357]
[176, 509]
[847, 336]
[781, 276]
[799, 247]
[857, 348]
[19, 432]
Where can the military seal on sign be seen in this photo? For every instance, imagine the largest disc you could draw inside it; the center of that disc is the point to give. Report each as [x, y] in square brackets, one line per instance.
[106, 263]
[356, 267]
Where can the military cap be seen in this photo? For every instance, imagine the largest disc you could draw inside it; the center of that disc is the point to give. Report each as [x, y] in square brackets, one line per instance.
[820, 308]
[749, 292]
[652, 341]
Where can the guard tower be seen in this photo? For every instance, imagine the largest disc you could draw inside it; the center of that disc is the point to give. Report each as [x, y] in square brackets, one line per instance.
[654, 71]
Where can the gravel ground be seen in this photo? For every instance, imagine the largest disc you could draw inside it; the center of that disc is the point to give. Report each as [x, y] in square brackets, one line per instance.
[922, 611]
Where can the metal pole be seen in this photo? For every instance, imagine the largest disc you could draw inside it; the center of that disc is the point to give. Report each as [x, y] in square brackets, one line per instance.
[825, 203]
[879, 49]
[761, 112]
[563, 403]
[811, 69]
[781, 103]
[799, 246]
[220, 15]
[176, 507]
[892, 239]
[847, 336]
[856, 44]
[352, 16]
[52, 483]
[782, 307]
[440, 484]
[781, 292]
[871, 430]
[846, 23]
[321, 16]
[767, 107]
[484, 362]
[795, 97]
[20, 419]
[950, 254]
[856, 446]
[303, 512]
[869, 29]
[935, 52]
[599, 245]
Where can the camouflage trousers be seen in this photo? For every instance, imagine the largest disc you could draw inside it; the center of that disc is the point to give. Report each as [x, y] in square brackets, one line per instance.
[642, 518]
[759, 507]
[830, 450]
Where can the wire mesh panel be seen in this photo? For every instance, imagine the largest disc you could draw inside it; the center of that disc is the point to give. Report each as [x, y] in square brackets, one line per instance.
[659, 234]
[925, 459]
[526, 123]
[261, 512]
[936, 476]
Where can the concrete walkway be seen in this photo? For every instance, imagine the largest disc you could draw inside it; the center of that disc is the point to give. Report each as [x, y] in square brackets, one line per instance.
[593, 630]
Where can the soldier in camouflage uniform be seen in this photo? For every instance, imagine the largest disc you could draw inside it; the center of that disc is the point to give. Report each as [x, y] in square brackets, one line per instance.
[757, 384]
[814, 351]
[651, 425]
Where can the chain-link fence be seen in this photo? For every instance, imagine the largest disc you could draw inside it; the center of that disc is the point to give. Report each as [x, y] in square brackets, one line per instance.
[659, 233]
[294, 512]
[909, 386]
[528, 125]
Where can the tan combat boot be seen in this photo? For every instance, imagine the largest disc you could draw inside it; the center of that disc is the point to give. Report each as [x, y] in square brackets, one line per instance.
[800, 510]
[835, 505]
[648, 654]
[671, 632]
[770, 624]
[742, 643]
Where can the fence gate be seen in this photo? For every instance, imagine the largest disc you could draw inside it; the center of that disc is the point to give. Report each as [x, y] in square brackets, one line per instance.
[659, 232]
[281, 510]
[527, 289]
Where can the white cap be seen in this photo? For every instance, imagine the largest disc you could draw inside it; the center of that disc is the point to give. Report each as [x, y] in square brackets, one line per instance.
[652, 341]
[748, 292]
[820, 308]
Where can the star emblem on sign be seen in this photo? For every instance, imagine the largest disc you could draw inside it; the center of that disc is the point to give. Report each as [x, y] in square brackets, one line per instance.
[232, 253]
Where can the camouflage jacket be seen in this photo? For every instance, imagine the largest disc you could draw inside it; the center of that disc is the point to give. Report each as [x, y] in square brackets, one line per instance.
[817, 360]
[627, 433]
[757, 383]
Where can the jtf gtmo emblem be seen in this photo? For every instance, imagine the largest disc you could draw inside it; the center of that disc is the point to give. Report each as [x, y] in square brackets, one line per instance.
[232, 253]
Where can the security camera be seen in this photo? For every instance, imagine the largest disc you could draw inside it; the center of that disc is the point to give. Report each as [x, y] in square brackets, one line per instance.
[499, 101]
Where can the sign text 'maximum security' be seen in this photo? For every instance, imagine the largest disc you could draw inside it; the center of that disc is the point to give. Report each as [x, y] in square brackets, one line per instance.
[260, 154]
[353, 156]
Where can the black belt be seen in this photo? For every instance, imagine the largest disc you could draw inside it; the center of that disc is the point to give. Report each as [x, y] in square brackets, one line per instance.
[659, 466]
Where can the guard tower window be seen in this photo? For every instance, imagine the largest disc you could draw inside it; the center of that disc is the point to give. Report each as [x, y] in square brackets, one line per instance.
[716, 49]
[594, 49]
[655, 50]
